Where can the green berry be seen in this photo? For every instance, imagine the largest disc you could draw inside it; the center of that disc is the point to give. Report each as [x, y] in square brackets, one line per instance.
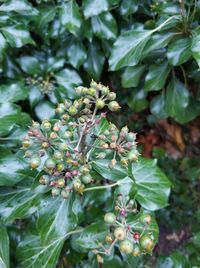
[119, 233]
[58, 155]
[126, 246]
[50, 163]
[93, 84]
[105, 90]
[87, 178]
[46, 125]
[35, 161]
[100, 103]
[84, 169]
[146, 219]
[136, 251]
[113, 106]
[110, 218]
[146, 243]
[130, 137]
[55, 192]
[91, 91]
[65, 194]
[62, 147]
[132, 155]
[72, 110]
[111, 96]
[45, 179]
[109, 239]
[26, 143]
[61, 183]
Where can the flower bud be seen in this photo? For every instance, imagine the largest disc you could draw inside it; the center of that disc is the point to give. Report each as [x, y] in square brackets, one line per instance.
[93, 84]
[53, 135]
[120, 233]
[26, 143]
[60, 183]
[87, 178]
[45, 145]
[110, 218]
[72, 110]
[105, 90]
[50, 163]
[65, 193]
[44, 180]
[35, 161]
[126, 246]
[100, 104]
[91, 91]
[55, 192]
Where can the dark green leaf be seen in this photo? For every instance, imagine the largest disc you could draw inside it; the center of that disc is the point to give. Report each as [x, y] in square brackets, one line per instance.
[29, 65]
[95, 61]
[195, 47]
[69, 79]
[157, 106]
[156, 77]
[4, 248]
[104, 26]
[179, 51]
[177, 98]
[2, 46]
[128, 49]
[153, 187]
[17, 35]
[138, 101]
[45, 110]
[12, 92]
[176, 259]
[131, 76]
[128, 7]
[71, 17]
[76, 54]
[94, 7]
[22, 7]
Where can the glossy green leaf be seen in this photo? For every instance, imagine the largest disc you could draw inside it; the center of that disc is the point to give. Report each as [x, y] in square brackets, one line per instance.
[17, 35]
[92, 235]
[115, 174]
[138, 101]
[94, 63]
[156, 77]
[70, 16]
[157, 106]
[12, 92]
[69, 79]
[195, 47]
[57, 218]
[22, 7]
[179, 51]
[45, 110]
[104, 26]
[4, 248]
[131, 76]
[2, 46]
[177, 98]
[128, 7]
[29, 65]
[76, 54]
[128, 49]
[94, 7]
[11, 168]
[153, 187]
[175, 259]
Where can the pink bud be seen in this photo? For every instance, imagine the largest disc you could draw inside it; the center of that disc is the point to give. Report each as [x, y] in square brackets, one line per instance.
[123, 212]
[74, 172]
[103, 115]
[68, 174]
[68, 154]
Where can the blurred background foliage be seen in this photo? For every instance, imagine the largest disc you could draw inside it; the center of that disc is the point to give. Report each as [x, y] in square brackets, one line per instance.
[146, 51]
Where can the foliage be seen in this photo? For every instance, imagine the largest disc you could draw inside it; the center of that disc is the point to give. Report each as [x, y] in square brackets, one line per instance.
[148, 53]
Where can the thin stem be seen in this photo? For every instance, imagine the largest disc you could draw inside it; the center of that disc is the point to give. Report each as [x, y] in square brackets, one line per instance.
[101, 187]
[184, 75]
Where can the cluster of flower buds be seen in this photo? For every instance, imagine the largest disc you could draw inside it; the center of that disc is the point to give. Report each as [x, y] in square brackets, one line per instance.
[61, 147]
[130, 239]
[46, 85]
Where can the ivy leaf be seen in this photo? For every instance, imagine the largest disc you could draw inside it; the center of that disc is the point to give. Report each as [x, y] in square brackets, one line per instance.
[128, 49]
[4, 248]
[138, 101]
[45, 110]
[95, 61]
[179, 51]
[20, 6]
[91, 235]
[11, 168]
[177, 98]
[12, 92]
[29, 65]
[131, 76]
[2, 46]
[195, 47]
[57, 218]
[128, 7]
[76, 54]
[18, 203]
[71, 17]
[115, 174]
[17, 35]
[104, 26]
[94, 7]
[156, 77]
[69, 79]
[153, 187]
[157, 106]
